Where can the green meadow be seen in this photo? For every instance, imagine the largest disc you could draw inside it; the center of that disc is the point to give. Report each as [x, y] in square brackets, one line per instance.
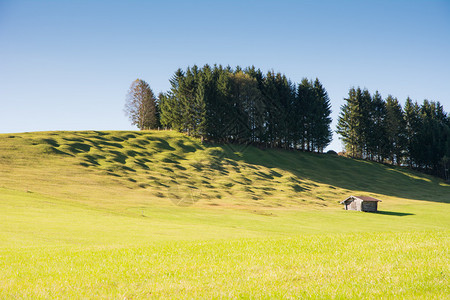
[157, 214]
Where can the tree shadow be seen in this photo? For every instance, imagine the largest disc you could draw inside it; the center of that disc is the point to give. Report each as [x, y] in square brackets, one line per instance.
[162, 144]
[350, 174]
[187, 148]
[392, 213]
[79, 147]
[298, 188]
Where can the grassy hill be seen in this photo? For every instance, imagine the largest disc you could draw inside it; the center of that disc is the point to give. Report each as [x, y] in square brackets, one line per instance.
[158, 214]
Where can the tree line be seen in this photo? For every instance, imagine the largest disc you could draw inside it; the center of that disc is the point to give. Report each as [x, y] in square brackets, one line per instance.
[225, 105]
[381, 130]
[238, 105]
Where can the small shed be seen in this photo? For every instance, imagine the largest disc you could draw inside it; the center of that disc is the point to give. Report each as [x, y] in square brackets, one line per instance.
[361, 203]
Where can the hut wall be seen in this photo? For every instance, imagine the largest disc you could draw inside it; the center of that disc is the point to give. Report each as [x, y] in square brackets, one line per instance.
[369, 206]
[352, 205]
[358, 204]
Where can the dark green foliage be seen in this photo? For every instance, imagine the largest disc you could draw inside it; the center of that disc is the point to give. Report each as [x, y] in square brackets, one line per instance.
[433, 139]
[170, 103]
[322, 133]
[395, 129]
[349, 123]
[413, 125]
[244, 106]
[377, 142]
[418, 136]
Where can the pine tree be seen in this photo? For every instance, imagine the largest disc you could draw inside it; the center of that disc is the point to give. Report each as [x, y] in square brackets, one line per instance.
[349, 123]
[395, 130]
[222, 106]
[377, 132]
[413, 124]
[303, 113]
[273, 110]
[433, 136]
[365, 122]
[258, 107]
[240, 127]
[170, 104]
[322, 130]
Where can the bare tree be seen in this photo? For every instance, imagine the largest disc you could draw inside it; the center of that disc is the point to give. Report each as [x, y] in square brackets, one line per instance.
[140, 105]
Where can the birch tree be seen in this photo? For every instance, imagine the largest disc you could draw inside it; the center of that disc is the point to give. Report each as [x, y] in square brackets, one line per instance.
[140, 105]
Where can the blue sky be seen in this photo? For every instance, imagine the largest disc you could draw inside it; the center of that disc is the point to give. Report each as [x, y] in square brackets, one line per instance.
[67, 65]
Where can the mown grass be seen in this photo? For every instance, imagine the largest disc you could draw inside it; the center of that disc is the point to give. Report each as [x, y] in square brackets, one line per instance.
[390, 265]
[158, 214]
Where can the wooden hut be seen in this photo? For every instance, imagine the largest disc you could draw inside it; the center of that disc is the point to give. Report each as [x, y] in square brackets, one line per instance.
[361, 203]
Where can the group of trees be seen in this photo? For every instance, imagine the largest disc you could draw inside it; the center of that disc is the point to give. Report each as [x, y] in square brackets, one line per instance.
[379, 129]
[245, 106]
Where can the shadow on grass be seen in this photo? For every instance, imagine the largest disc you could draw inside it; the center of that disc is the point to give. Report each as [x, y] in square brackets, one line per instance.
[392, 213]
[349, 174]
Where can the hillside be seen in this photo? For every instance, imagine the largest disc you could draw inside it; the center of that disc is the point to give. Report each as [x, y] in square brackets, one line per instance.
[175, 178]
[160, 215]
[121, 170]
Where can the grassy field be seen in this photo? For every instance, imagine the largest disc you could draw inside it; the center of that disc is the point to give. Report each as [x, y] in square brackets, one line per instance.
[158, 214]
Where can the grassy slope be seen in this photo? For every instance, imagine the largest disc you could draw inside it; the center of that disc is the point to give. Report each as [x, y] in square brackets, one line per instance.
[81, 200]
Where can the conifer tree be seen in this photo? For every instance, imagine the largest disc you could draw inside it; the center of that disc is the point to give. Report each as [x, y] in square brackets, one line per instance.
[349, 123]
[220, 111]
[170, 103]
[322, 132]
[377, 141]
[303, 112]
[395, 130]
[413, 124]
[273, 109]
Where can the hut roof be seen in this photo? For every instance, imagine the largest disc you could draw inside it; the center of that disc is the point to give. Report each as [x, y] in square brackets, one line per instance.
[367, 198]
[363, 198]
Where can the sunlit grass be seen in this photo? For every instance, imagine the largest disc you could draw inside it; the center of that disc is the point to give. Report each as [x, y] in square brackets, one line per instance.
[401, 265]
[116, 170]
[158, 214]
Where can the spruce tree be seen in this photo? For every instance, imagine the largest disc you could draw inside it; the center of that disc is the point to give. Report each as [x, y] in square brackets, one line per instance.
[413, 124]
[377, 141]
[349, 123]
[395, 130]
[170, 104]
[323, 133]
[304, 112]
[273, 110]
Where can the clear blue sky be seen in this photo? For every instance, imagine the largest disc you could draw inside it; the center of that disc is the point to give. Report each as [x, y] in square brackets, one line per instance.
[67, 65]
